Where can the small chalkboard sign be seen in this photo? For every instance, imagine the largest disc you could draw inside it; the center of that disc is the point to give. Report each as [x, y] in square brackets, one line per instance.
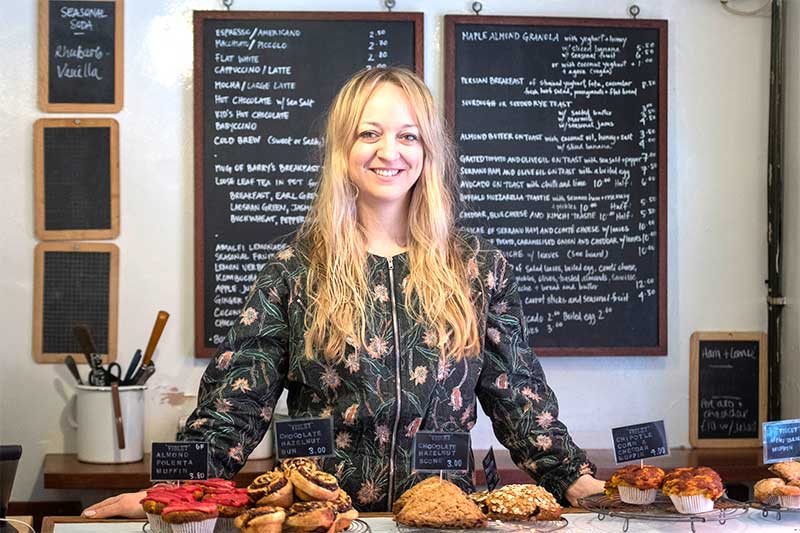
[76, 179]
[80, 56]
[781, 441]
[179, 461]
[435, 451]
[640, 441]
[490, 470]
[727, 389]
[304, 437]
[74, 283]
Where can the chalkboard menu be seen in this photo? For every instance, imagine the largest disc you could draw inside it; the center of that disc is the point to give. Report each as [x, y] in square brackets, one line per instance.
[561, 126]
[263, 83]
[179, 461]
[728, 389]
[640, 441]
[74, 284]
[781, 441]
[76, 179]
[80, 55]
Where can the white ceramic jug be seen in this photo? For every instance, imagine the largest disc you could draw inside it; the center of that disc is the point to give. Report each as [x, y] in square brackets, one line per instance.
[99, 438]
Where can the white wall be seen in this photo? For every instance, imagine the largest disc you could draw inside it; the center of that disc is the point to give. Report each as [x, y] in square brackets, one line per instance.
[718, 95]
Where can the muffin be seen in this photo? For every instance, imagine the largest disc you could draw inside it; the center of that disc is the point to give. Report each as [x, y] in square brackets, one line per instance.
[271, 489]
[637, 485]
[693, 489]
[191, 517]
[788, 496]
[265, 519]
[764, 490]
[789, 471]
[158, 499]
[522, 503]
[229, 505]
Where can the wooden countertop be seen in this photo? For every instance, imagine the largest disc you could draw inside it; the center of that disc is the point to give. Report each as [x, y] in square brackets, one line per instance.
[735, 465]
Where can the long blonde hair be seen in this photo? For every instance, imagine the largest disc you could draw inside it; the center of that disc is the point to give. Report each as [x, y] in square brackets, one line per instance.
[337, 283]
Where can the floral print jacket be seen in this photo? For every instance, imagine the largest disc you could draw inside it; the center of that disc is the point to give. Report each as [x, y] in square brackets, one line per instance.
[380, 395]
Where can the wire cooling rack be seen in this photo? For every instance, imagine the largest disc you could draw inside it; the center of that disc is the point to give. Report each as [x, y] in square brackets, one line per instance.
[660, 510]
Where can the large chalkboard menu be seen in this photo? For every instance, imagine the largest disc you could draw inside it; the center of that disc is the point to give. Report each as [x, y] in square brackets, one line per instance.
[728, 389]
[561, 126]
[80, 55]
[263, 83]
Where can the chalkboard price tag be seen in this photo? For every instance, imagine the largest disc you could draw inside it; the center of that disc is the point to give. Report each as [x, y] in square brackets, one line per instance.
[434, 451]
[304, 437]
[490, 470]
[640, 441]
[781, 441]
[179, 461]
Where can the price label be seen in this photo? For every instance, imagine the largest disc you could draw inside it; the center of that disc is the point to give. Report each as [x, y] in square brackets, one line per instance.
[434, 451]
[781, 441]
[179, 461]
[490, 470]
[640, 441]
[306, 437]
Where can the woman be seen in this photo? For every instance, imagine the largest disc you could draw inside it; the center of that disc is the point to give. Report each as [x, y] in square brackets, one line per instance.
[383, 315]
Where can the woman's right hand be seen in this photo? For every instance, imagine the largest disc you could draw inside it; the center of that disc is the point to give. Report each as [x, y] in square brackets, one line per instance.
[125, 505]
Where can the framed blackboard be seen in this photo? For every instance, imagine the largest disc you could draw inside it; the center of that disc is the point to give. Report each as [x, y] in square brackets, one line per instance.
[81, 56]
[263, 82]
[561, 125]
[76, 177]
[727, 389]
[74, 284]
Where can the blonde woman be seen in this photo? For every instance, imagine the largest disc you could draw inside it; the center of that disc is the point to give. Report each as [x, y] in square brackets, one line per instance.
[384, 316]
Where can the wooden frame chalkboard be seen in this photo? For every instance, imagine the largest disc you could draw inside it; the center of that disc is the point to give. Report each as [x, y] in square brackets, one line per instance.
[727, 389]
[74, 284]
[274, 64]
[76, 179]
[81, 56]
[551, 171]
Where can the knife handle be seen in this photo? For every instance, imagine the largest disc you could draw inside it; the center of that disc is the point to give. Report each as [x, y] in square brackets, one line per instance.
[73, 368]
[155, 335]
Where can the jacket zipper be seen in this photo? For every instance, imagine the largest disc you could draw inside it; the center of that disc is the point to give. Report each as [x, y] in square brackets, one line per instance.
[390, 495]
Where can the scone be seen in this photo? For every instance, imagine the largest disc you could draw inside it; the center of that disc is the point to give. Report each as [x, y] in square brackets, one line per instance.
[523, 502]
[271, 489]
[438, 504]
[635, 484]
[265, 519]
[764, 490]
[693, 489]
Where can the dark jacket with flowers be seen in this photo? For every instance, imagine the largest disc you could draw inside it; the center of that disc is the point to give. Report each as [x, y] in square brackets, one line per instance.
[381, 394]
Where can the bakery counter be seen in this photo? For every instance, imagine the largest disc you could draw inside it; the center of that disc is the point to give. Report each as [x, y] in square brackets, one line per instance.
[577, 521]
[735, 465]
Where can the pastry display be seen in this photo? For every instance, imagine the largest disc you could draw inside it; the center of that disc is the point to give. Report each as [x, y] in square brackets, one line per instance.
[437, 503]
[634, 484]
[160, 497]
[693, 489]
[522, 502]
[764, 490]
[191, 517]
[265, 519]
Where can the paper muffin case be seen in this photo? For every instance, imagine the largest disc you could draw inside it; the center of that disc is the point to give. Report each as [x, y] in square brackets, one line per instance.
[157, 525]
[692, 504]
[203, 526]
[226, 525]
[636, 496]
[790, 502]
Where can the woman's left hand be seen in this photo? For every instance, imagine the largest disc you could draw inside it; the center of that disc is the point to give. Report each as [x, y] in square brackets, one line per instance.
[584, 486]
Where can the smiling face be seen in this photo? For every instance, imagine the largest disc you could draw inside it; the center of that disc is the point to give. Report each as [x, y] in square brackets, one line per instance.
[386, 158]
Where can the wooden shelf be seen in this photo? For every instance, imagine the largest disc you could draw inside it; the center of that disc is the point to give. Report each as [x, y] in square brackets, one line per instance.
[738, 465]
